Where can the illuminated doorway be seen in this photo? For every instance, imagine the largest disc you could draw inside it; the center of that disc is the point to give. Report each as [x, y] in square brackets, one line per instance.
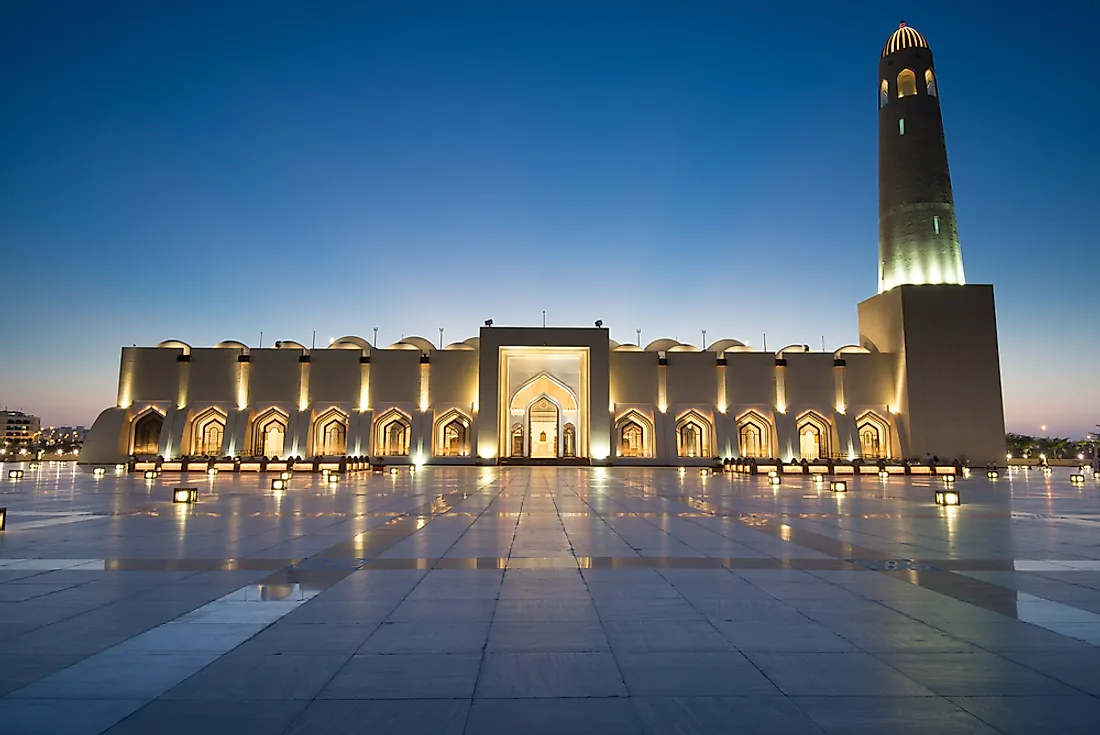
[809, 442]
[543, 422]
[544, 414]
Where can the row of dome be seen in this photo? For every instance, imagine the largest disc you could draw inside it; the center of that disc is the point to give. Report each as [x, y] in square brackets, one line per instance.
[473, 343]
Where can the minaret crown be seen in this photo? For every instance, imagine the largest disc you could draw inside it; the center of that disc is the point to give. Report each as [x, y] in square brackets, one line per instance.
[904, 37]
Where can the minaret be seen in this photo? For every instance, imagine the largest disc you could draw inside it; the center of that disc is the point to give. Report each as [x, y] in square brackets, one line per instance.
[937, 335]
[918, 242]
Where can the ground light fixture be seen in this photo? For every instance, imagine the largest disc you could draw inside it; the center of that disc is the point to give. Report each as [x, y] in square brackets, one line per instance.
[681, 470]
[992, 474]
[33, 465]
[393, 470]
[1077, 479]
[774, 479]
[948, 496]
[99, 472]
[278, 484]
[818, 477]
[332, 478]
[185, 495]
[838, 486]
[883, 474]
[284, 475]
[120, 467]
[151, 474]
[15, 474]
[212, 471]
[704, 472]
[412, 469]
[3, 518]
[773, 473]
[324, 473]
[948, 479]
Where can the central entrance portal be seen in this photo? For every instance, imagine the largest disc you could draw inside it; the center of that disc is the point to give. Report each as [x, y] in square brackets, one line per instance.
[544, 411]
[538, 403]
[544, 429]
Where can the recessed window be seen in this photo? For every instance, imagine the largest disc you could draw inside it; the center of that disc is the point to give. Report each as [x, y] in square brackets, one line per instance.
[901, 126]
[883, 94]
[936, 224]
[907, 83]
[930, 82]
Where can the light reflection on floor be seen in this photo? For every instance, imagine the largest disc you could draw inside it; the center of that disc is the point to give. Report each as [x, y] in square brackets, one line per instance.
[480, 599]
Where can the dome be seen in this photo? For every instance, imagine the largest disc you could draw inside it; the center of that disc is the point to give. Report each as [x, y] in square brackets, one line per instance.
[904, 37]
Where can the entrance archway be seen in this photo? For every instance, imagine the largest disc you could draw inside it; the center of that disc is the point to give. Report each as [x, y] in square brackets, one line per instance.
[543, 417]
[146, 433]
[549, 413]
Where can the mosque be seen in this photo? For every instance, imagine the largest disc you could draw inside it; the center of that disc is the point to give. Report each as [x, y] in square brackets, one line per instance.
[925, 378]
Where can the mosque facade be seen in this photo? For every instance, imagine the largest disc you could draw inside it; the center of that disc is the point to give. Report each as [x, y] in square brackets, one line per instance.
[924, 379]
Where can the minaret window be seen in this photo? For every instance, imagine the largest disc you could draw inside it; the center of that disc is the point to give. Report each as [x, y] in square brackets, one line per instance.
[907, 83]
[901, 126]
[936, 223]
[930, 82]
[883, 93]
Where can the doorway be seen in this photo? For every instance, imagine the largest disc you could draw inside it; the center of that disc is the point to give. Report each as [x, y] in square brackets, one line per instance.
[543, 422]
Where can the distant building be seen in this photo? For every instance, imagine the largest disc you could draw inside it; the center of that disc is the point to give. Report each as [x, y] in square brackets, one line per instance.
[52, 435]
[924, 379]
[16, 426]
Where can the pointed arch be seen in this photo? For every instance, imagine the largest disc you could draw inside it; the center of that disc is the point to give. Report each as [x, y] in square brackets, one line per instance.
[874, 436]
[694, 434]
[754, 434]
[544, 427]
[452, 434]
[813, 436]
[517, 442]
[392, 433]
[633, 435]
[268, 431]
[930, 83]
[569, 440]
[907, 83]
[330, 433]
[145, 430]
[208, 433]
[545, 384]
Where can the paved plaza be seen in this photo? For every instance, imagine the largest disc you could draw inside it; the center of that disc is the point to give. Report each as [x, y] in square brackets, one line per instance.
[557, 600]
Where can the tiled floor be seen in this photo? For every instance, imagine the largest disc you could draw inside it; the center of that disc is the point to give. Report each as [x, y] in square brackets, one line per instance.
[501, 600]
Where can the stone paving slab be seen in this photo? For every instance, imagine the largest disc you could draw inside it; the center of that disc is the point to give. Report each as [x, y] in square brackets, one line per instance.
[484, 600]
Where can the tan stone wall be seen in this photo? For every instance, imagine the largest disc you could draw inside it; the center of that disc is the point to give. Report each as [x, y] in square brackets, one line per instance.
[949, 383]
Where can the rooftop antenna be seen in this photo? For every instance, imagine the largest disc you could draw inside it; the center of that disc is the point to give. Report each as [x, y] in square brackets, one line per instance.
[261, 339]
[704, 340]
[441, 338]
[823, 343]
[639, 336]
[765, 341]
[314, 345]
[544, 318]
[375, 342]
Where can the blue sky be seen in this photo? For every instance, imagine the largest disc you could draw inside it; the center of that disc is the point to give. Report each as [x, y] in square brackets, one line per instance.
[206, 171]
